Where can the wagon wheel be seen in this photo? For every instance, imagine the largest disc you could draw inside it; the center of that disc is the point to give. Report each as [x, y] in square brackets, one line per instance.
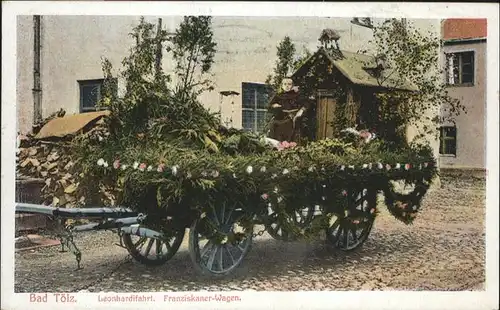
[212, 256]
[347, 233]
[302, 218]
[153, 251]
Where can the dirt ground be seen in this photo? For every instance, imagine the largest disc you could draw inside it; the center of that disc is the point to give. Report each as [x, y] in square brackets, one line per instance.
[443, 250]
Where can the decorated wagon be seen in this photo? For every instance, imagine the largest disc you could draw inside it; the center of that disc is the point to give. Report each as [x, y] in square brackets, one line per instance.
[166, 165]
[295, 192]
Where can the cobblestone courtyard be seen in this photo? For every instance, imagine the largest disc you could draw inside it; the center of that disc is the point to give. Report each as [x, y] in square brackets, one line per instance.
[443, 250]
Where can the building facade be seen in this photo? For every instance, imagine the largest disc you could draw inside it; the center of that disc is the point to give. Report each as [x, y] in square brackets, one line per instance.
[463, 144]
[71, 48]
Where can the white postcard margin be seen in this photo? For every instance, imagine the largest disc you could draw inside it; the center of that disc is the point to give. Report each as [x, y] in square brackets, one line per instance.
[252, 300]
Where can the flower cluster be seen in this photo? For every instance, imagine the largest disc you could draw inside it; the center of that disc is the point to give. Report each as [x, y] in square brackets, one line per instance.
[286, 145]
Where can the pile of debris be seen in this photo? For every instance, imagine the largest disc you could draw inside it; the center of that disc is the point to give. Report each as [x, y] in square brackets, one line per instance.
[44, 155]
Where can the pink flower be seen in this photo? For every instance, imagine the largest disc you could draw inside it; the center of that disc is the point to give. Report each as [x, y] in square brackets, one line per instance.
[344, 192]
[264, 196]
[161, 168]
[365, 134]
[292, 144]
[285, 144]
[355, 222]
[388, 167]
[116, 164]
[142, 166]
[407, 166]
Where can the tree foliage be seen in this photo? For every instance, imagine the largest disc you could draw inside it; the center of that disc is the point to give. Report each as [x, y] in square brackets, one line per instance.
[288, 60]
[411, 56]
[193, 50]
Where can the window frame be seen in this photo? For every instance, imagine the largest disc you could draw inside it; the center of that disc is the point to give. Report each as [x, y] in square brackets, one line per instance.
[255, 109]
[449, 67]
[442, 141]
[89, 82]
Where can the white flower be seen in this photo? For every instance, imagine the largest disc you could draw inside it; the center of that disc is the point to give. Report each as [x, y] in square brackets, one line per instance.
[342, 168]
[189, 175]
[324, 185]
[420, 167]
[150, 168]
[370, 165]
[311, 169]
[100, 162]
[380, 166]
[285, 171]
[323, 198]
[351, 167]
[136, 165]
[174, 169]
[280, 199]
[234, 175]
[100, 138]
[322, 168]
[263, 169]
[215, 173]
[105, 164]
[276, 189]
[203, 215]
[346, 213]
[415, 207]
[224, 241]
[365, 166]
[398, 166]
[124, 167]
[249, 169]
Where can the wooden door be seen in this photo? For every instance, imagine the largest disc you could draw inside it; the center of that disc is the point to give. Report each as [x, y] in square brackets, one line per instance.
[325, 110]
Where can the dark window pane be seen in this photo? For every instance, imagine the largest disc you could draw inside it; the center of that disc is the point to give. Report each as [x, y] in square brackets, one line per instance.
[262, 99]
[468, 58]
[450, 132]
[261, 120]
[248, 97]
[447, 139]
[450, 147]
[90, 96]
[467, 78]
[248, 119]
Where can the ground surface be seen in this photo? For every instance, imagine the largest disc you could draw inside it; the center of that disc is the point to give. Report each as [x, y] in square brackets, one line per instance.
[443, 250]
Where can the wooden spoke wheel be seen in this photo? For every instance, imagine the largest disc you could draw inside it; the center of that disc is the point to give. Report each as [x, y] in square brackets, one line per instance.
[302, 218]
[209, 254]
[153, 251]
[347, 233]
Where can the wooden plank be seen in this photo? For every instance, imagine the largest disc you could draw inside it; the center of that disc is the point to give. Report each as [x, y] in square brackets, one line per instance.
[325, 113]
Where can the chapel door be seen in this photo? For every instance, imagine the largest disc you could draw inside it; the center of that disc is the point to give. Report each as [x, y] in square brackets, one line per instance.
[325, 110]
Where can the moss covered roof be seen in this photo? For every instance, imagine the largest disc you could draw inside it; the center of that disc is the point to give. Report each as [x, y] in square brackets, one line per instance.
[354, 67]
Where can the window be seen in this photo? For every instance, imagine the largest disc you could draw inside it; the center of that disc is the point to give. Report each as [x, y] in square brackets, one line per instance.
[448, 141]
[90, 94]
[460, 68]
[255, 98]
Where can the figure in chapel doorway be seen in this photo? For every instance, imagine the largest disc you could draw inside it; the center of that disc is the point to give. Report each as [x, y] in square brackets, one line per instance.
[287, 109]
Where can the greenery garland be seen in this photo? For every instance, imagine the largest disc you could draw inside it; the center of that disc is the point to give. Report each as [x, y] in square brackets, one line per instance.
[176, 182]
